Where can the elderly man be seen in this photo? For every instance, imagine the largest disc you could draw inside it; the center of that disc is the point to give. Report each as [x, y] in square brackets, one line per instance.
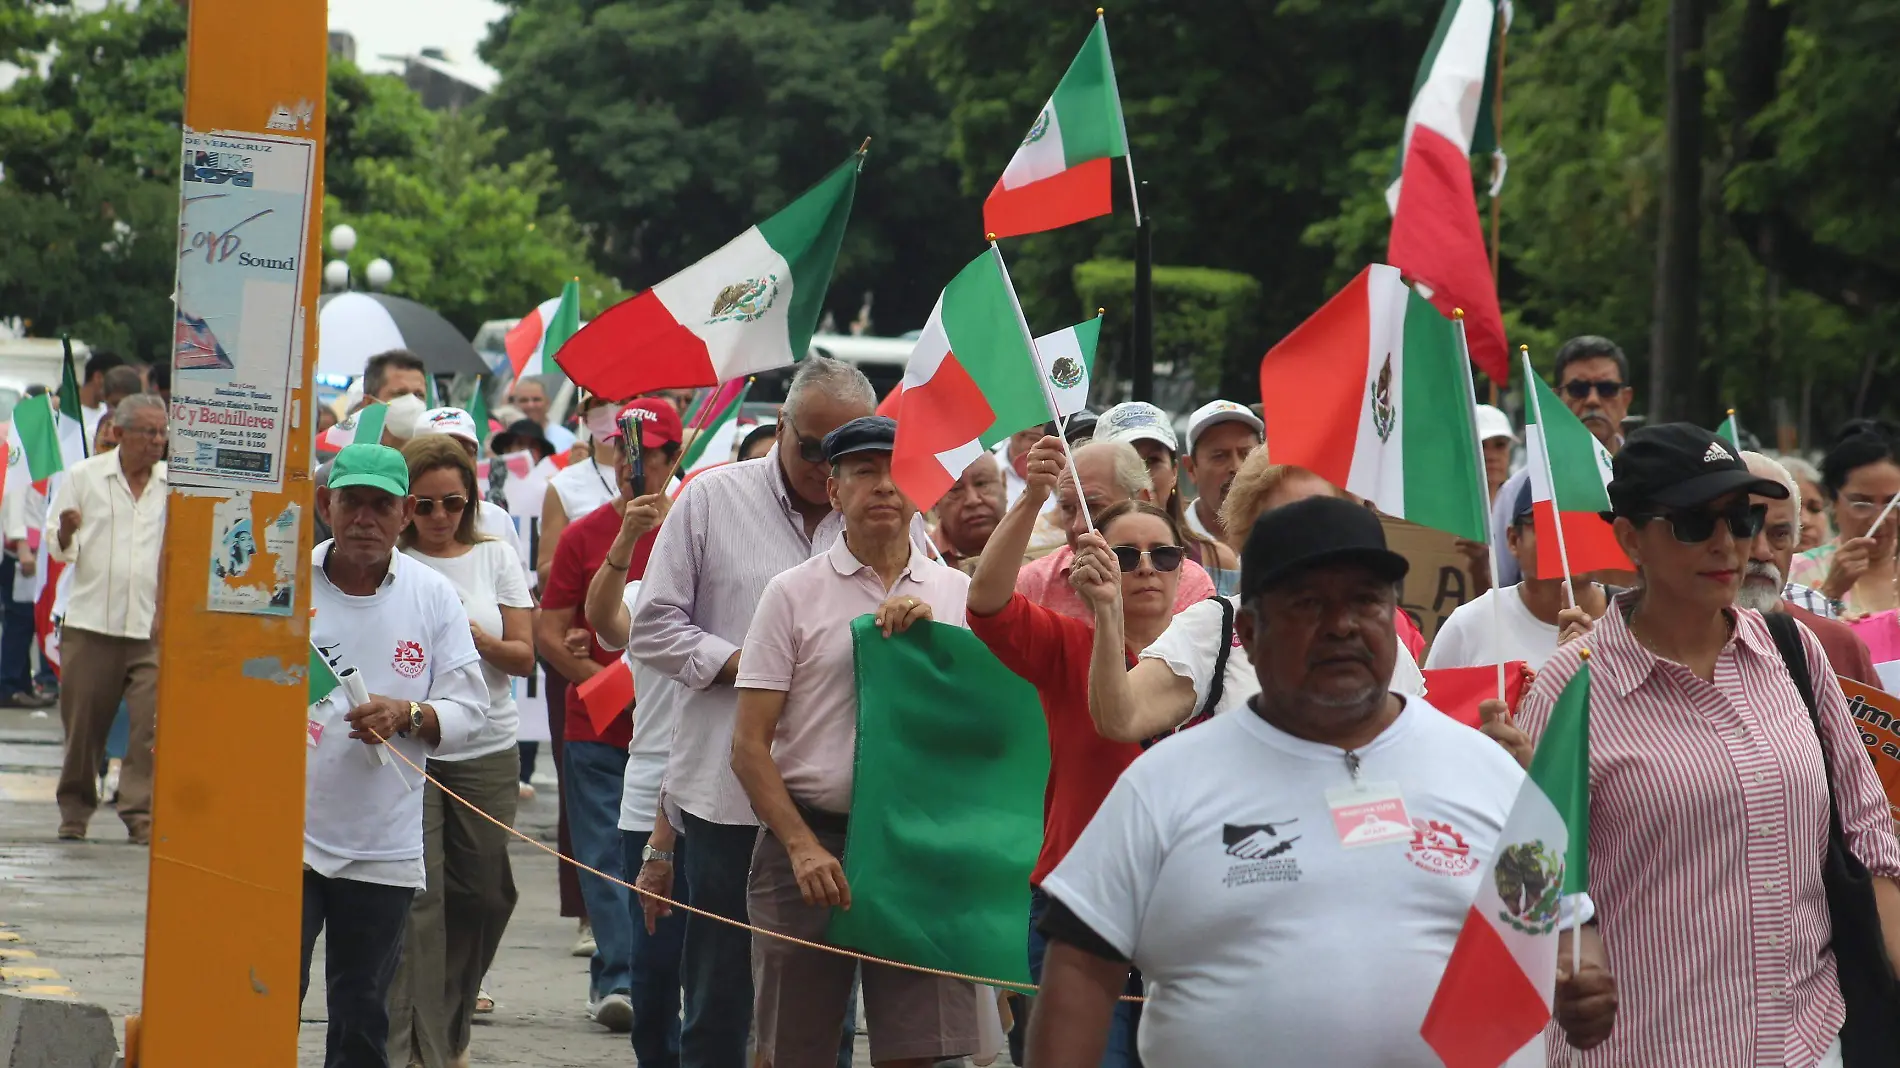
[106, 523]
[1765, 584]
[968, 513]
[1112, 472]
[401, 626]
[732, 530]
[793, 750]
[530, 394]
[1221, 866]
[1220, 437]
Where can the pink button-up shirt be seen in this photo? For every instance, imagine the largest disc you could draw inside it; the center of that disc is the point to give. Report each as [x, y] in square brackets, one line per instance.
[1708, 822]
[800, 644]
[1046, 582]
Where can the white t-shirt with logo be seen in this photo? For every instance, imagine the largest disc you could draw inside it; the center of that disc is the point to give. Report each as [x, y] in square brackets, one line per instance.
[1191, 647]
[1216, 867]
[487, 578]
[410, 641]
[656, 712]
[1469, 638]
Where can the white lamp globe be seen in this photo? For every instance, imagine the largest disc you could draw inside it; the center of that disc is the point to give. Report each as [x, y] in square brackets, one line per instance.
[379, 272]
[336, 274]
[343, 238]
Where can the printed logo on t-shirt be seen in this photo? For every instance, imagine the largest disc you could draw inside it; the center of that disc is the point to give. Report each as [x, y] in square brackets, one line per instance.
[1438, 848]
[409, 659]
[1261, 849]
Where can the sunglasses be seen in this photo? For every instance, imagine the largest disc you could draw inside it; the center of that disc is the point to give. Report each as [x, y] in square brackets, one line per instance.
[1163, 557]
[1579, 390]
[453, 504]
[809, 450]
[1693, 528]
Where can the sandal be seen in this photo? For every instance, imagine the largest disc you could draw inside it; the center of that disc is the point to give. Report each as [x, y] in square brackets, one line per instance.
[484, 1005]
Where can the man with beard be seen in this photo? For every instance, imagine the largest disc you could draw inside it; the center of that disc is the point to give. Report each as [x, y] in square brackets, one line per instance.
[1764, 581]
[968, 513]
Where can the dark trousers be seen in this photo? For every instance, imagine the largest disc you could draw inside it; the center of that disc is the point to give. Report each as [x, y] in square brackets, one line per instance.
[365, 924]
[656, 962]
[529, 750]
[16, 634]
[567, 877]
[716, 964]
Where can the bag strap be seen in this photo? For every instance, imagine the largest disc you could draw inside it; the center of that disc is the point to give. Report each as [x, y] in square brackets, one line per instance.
[1219, 683]
[1787, 635]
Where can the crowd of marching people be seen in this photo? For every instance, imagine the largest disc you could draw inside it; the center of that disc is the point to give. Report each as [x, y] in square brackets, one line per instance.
[1261, 836]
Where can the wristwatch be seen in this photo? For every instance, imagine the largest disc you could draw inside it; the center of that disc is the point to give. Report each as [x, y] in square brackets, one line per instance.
[650, 853]
[415, 717]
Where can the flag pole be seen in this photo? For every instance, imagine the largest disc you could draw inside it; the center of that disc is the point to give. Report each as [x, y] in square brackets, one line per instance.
[71, 374]
[1484, 483]
[1062, 421]
[1734, 430]
[1128, 156]
[1497, 133]
[1537, 412]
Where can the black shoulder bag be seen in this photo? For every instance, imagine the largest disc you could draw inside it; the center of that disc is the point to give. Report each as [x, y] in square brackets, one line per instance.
[1871, 1036]
[1218, 685]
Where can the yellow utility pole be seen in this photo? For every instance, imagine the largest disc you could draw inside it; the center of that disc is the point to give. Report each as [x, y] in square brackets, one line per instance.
[224, 912]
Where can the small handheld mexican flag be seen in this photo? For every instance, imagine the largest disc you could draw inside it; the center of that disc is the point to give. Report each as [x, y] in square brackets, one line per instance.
[319, 679]
[532, 342]
[1372, 393]
[716, 419]
[973, 380]
[1495, 996]
[750, 306]
[52, 440]
[1570, 479]
[1732, 430]
[1062, 174]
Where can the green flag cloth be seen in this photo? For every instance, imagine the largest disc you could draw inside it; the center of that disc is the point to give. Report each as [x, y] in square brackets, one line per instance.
[1731, 429]
[1560, 768]
[38, 426]
[946, 809]
[321, 679]
[369, 423]
[69, 405]
[478, 411]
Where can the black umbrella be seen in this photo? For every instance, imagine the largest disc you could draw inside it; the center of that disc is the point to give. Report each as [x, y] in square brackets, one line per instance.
[352, 327]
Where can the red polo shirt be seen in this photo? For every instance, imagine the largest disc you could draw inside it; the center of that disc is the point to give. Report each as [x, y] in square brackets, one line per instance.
[1051, 651]
[581, 551]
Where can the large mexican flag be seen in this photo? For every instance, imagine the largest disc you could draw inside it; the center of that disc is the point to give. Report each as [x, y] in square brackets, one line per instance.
[1437, 239]
[972, 381]
[1495, 996]
[749, 307]
[1372, 393]
[1063, 173]
[1570, 479]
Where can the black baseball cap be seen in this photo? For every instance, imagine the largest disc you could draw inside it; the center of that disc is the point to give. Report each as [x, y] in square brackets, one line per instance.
[522, 434]
[1081, 428]
[1293, 538]
[1526, 504]
[1680, 465]
[867, 433]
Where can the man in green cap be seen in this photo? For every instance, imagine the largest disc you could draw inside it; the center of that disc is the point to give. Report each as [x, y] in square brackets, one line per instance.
[402, 628]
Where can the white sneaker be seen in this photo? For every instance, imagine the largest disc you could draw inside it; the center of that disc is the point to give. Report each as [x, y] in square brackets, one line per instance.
[614, 1012]
[584, 945]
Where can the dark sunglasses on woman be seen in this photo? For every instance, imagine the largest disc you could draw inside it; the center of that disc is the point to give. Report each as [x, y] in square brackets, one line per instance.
[453, 504]
[1695, 527]
[1163, 557]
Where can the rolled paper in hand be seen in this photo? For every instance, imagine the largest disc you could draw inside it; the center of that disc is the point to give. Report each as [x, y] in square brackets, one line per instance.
[358, 695]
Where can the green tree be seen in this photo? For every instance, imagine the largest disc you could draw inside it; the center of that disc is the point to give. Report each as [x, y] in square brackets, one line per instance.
[676, 124]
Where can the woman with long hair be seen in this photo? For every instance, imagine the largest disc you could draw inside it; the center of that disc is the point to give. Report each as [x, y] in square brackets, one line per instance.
[456, 922]
[1855, 570]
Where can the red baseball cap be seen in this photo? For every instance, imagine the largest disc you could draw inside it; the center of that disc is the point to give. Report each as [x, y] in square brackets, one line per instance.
[659, 421]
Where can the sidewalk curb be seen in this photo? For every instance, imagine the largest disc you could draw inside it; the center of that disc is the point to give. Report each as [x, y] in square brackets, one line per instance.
[40, 1032]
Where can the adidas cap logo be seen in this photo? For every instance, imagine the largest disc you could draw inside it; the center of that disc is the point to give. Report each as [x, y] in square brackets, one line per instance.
[1717, 454]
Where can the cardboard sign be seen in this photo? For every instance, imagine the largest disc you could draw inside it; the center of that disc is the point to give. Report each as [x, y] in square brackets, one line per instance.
[1877, 714]
[1439, 580]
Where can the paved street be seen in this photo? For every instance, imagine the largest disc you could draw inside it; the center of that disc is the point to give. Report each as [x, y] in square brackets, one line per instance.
[74, 920]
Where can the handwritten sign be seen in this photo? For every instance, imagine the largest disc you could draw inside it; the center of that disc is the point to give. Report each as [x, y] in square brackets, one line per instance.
[242, 235]
[1438, 581]
[1877, 714]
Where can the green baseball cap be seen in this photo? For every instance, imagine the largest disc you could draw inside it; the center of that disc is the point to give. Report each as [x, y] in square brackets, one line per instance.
[376, 466]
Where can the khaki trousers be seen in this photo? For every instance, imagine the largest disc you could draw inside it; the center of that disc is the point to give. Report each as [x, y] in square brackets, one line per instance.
[99, 672]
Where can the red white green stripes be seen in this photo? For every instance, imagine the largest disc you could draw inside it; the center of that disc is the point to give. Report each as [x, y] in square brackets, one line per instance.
[1062, 172]
[1372, 393]
[749, 307]
[1570, 478]
[532, 342]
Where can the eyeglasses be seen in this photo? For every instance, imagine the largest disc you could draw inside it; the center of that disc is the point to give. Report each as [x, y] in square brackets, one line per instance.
[146, 432]
[1693, 528]
[1163, 557]
[453, 504]
[809, 450]
[1865, 508]
[1579, 389]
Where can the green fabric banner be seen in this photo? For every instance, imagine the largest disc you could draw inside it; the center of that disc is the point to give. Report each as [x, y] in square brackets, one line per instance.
[946, 808]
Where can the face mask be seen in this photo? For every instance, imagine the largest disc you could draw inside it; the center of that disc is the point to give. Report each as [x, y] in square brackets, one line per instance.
[600, 423]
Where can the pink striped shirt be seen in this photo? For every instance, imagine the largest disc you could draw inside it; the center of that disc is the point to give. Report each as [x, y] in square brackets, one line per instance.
[1708, 821]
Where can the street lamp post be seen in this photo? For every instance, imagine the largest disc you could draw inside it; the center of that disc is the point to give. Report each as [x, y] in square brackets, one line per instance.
[336, 273]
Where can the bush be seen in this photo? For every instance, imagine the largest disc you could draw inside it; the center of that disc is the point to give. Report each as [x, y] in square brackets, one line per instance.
[1206, 329]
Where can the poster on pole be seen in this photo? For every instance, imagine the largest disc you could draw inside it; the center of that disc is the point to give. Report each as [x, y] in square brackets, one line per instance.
[242, 232]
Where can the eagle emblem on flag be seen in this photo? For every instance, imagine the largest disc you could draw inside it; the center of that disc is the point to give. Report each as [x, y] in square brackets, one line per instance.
[1040, 129]
[1385, 415]
[1529, 877]
[1066, 373]
[743, 302]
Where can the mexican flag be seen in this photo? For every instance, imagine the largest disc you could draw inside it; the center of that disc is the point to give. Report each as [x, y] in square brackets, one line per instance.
[1495, 996]
[751, 306]
[716, 418]
[319, 679]
[363, 427]
[1062, 174]
[1732, 430]
[1372, 393]
[1436, 237]
[970, 383]
[1570, 479]
[1068, 382]
[532, 342]
[51, 440]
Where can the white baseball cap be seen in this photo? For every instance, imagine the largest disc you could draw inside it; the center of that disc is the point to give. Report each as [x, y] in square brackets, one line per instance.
[451, 421]
[1221, 411]
[1493, 423]
[1133, 421]
[405, 413]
